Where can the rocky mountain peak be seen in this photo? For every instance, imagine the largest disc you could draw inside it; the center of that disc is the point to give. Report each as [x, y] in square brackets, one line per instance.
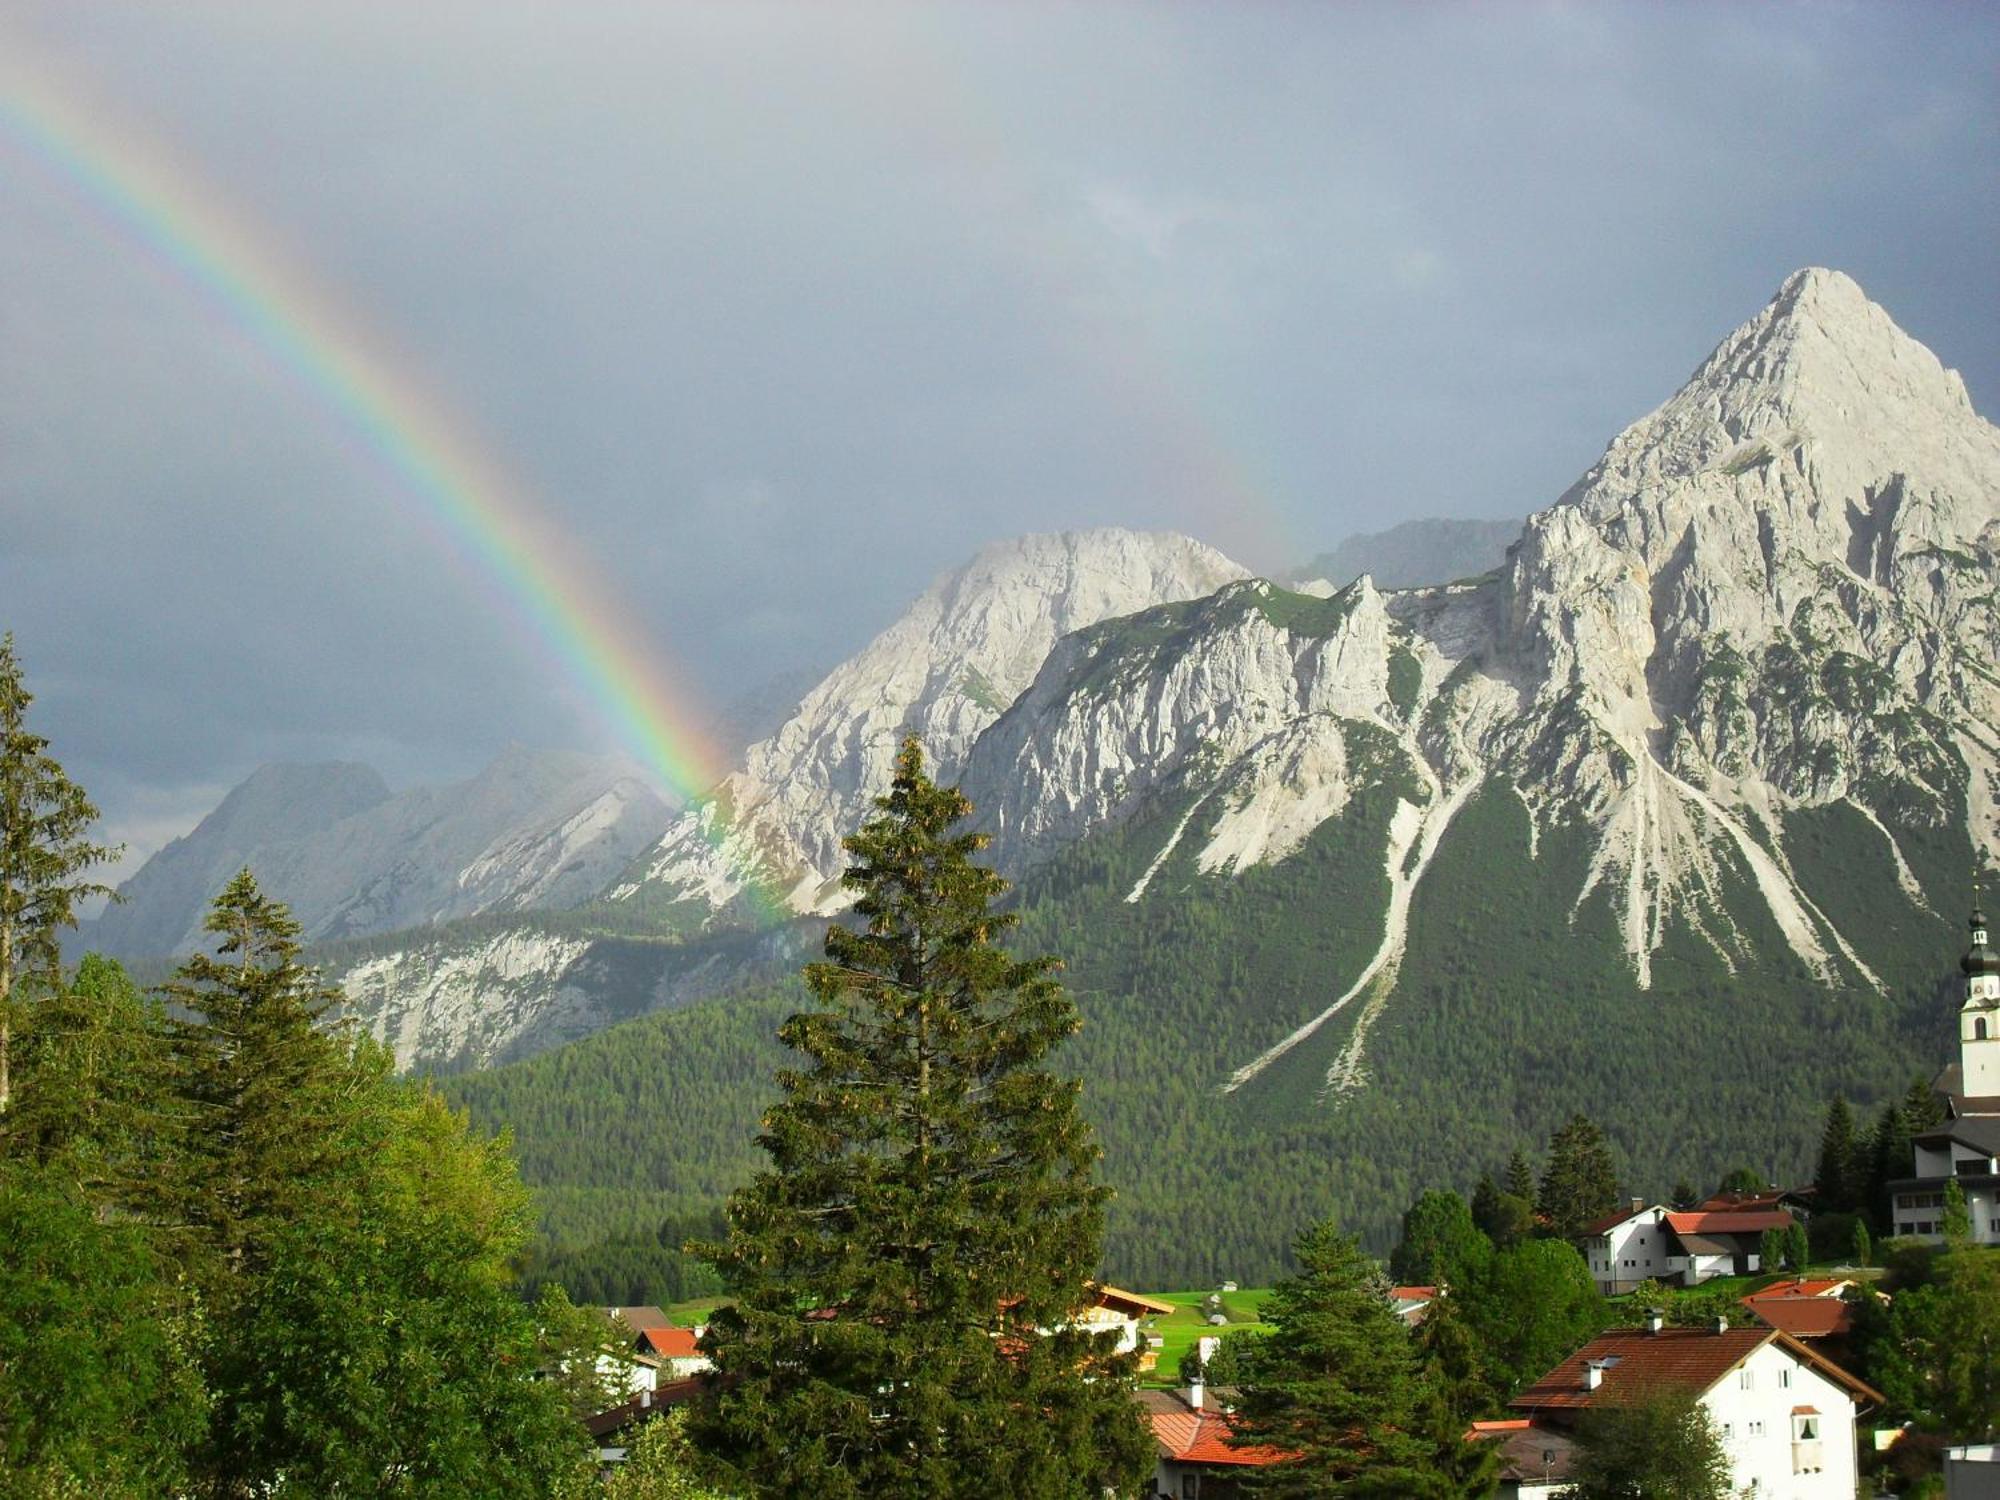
[944, 671]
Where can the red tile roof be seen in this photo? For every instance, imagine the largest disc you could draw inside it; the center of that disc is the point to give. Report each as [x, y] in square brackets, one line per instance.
[1730, 1221]
[1187, 1436]
[1830, 1286]
[669, 1343]
[1414, 1293]
[1804, 1317]
[1684, 1359]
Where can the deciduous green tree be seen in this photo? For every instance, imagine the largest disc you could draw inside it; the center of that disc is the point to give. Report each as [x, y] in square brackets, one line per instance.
[929, 1210]
[45, 856]
[1535, 1306]
[1440, 1245]
[99, 1390]
[1665, 1447]
[661, 1465]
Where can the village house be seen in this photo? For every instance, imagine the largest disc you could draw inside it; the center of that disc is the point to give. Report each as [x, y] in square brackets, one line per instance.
[1816, 1312]
[1966, 1147]
[1534, 1457]
[656, 1352]
[1645, 1242]
[1195, 1457]
[1412, 1303]
[1786, 1414]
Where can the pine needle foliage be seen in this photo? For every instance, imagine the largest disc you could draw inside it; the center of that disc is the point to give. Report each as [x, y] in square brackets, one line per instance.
[910, 1268]
[44, 856]
[263, 1088]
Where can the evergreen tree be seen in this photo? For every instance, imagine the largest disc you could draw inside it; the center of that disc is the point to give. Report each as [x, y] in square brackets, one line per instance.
[44, 856]
[1888, 1158]
[264, 1089]
[929, 1209]
[1520, 1177]
[1837, 1181]
[1441, 1246]
[1456, 1392]
[1665, 1447]
[1798, 1246]
[1684, 1195]
[1336, 1385]
[1955, 1222]
[1771, 1250]
[1580, 1182]
[1922, 1108]
[1863, 1249]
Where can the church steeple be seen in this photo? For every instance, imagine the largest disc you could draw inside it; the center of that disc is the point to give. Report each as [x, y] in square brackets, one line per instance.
[1979, 1017]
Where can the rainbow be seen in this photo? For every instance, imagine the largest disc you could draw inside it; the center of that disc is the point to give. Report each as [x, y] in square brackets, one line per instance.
[468, 501]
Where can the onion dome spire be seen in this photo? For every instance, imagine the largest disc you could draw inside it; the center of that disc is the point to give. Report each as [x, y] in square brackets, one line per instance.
[1981, 958]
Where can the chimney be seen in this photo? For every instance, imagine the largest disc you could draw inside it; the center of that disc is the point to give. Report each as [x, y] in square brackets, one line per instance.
[1721, 1324]
[1638, 1205]
[1197, 1390]
[1593, 1374]
[1656, 1319]
[645, 1399]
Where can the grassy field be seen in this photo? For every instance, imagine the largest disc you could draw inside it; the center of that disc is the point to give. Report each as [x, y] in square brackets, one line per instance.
[1178, 1329]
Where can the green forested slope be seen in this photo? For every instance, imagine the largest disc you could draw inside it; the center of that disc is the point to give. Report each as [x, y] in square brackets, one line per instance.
[1514, 1008]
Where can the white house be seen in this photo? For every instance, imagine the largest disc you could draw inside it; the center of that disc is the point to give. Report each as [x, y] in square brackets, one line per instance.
[1679, 1248]
[1626, 1247]
[1785, 1413]
[1966, 1146]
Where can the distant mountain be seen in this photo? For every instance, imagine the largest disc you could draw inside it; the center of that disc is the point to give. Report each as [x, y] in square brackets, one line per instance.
[1416, 554]
[1360, 889]
[944, 671]
[535, 829]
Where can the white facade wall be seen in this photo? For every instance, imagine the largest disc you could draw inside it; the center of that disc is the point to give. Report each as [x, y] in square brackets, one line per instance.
[1629, 1252]
[1755, 1417]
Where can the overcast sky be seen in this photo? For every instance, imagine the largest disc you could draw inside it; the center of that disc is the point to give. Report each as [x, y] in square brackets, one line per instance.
[779, 311]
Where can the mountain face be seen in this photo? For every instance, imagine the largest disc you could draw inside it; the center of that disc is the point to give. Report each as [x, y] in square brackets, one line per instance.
[1415, 554]
[1775, 593]
[1361, 889]
[534, 830]
[943, 672]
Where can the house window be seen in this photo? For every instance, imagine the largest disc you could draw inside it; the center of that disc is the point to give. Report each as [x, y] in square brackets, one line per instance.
[1756, 1429]
[1728, 1431]
[1784, 1379]
[1746, 1380]
[1805, 1429]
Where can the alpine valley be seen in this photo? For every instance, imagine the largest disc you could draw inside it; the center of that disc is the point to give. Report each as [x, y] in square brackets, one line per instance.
[1669, 817]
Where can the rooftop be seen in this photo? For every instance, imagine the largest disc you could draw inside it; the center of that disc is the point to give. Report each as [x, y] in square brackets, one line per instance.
[1679, 1359]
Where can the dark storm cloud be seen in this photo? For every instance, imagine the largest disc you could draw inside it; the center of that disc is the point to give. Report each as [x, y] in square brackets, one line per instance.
[782, 309]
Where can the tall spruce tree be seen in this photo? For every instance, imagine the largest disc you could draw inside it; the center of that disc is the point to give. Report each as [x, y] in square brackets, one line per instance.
[1337, 1386]
[1520, 1176]
[909, 1270]
[1837, 1181]
[1580, 1182]
[263, 1087]
[45, 854]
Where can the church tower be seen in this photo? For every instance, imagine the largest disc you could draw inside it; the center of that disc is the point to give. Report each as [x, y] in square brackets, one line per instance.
[1979, 1017]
